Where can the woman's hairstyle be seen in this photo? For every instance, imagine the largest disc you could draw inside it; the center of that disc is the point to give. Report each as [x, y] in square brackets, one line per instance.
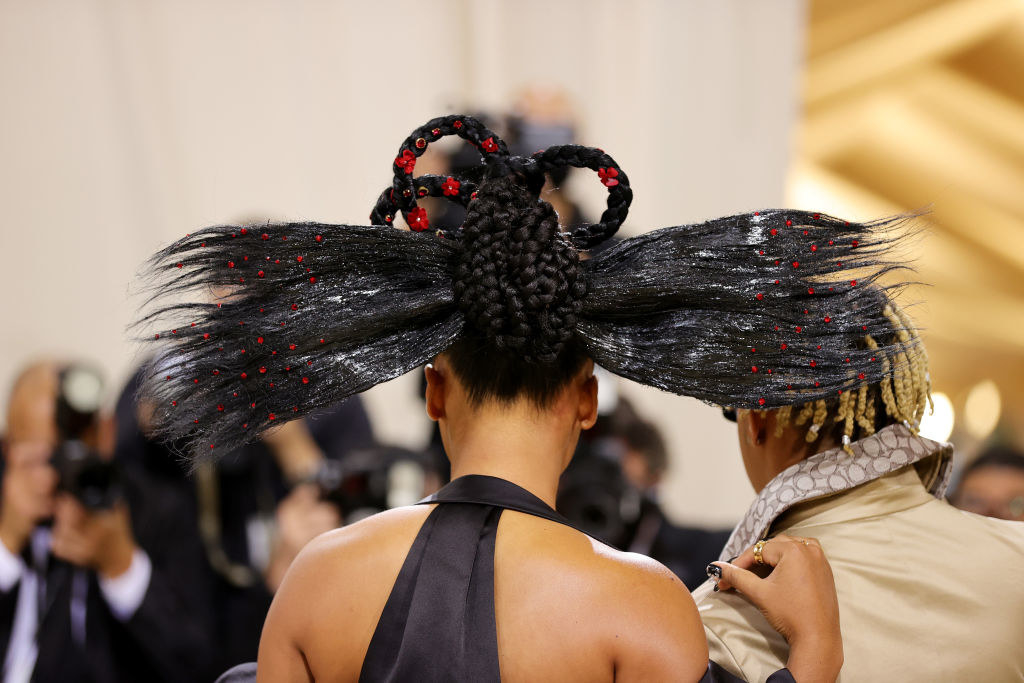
[257, 325]
[901, 396]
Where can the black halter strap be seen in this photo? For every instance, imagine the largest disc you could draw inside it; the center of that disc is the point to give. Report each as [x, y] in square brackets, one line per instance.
[485, 490]
[438, 623]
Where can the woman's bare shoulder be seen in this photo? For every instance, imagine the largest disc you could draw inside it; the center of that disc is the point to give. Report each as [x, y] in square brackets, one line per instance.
[374, 538]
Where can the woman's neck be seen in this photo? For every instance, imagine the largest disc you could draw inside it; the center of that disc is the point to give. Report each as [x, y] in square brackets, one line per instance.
[523, 446]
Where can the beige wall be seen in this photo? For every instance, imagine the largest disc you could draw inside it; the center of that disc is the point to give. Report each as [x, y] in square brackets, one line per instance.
[125, 124]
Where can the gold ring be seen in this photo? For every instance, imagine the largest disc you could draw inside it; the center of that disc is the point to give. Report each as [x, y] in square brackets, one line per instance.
[758, 547]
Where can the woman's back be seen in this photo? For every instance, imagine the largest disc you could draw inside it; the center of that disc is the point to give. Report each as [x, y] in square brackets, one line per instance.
[566, 607]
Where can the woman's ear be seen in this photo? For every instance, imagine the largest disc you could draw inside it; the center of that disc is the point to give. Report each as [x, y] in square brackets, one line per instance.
[753, 426]
[437, 389]
[587, 409]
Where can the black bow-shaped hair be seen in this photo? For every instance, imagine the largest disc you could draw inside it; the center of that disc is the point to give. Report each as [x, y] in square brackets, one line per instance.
[256, 325]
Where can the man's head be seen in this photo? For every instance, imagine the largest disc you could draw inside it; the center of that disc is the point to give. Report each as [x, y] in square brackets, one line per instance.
[30, 481]
[772, 440]
[993, 484]
[646, 458]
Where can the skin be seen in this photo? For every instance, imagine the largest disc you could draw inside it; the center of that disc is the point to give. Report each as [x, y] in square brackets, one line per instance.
[102, 540]
[991, 491]
[567, 607]
[765, 455]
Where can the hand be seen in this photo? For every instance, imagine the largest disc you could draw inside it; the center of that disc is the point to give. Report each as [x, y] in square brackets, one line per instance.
[798, 598]
[301, 517]
[101, 540]
[27, 497]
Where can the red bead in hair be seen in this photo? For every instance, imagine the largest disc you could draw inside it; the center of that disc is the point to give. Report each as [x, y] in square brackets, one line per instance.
[860, 375]
[260, 273]
[450, 187]
[295, 307]
[271, 417]
[259, 340]
[305, 380]
[608, 176]
[457, 124]
[319, 238]
[753, 368]
[291, 347]
[759, 296]
[789, 223]
[206, 335]
[417, 219]
[220, 407]
[243, 231]
[312, 280]
[264, 237]
[299, 259]
[760, 401]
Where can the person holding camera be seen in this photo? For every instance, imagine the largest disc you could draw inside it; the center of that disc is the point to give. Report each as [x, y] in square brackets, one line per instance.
[252, 511]
[90, 589]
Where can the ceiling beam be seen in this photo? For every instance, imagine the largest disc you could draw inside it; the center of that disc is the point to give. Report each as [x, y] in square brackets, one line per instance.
[926, 36]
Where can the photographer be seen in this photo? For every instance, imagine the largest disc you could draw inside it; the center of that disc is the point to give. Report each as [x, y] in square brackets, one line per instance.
[252, 511]
[98, 581]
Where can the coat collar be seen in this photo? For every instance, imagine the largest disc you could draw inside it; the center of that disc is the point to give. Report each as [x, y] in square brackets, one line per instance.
[834, 471]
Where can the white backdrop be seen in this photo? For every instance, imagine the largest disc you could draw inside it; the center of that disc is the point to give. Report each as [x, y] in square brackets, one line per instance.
[125, 124]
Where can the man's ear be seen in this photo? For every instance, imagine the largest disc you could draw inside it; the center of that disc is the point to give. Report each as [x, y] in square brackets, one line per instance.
[436, 391]
[755, 427]
[587, 409]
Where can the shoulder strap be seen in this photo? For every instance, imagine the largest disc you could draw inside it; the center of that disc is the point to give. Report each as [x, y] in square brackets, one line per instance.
[481, 489]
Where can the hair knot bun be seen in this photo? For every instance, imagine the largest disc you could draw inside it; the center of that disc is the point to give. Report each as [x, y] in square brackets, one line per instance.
[517, 278]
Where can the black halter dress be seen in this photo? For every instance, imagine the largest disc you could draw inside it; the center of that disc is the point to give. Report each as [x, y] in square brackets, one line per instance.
[438, 623]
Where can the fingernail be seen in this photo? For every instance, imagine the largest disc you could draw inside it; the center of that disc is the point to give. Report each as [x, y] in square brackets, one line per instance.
[716, 587]
[714, 571]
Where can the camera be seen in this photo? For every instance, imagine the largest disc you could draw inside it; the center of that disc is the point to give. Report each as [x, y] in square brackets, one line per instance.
[94, 481]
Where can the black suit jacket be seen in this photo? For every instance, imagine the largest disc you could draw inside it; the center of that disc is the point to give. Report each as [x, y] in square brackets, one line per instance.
[168, 638]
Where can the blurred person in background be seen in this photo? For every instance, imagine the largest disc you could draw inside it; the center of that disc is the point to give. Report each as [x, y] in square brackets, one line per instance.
[926, 592]
[684, 550]
[99, 578]
[254, 509]
[610, 489]
[993, 484]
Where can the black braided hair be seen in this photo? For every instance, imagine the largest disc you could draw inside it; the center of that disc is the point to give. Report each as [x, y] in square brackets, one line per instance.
[255, 325]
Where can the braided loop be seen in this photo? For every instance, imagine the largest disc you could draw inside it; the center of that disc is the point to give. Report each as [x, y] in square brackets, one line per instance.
[498, 163]
[614, 178]
[517, 279]
[404, 190]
